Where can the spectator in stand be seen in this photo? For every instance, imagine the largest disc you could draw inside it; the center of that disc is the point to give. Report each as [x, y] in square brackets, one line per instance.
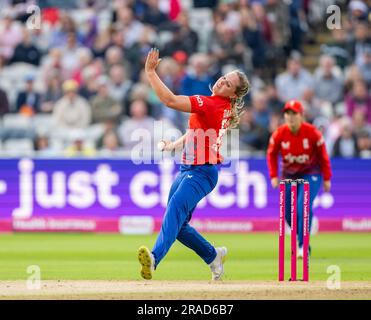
[253, 137]
[292, 83]
[4, 103]
[101, 43]
[60, 31]
[189, 35]
[338, 48]
[364, 66]
[346, 144]
[89, 86]
[205, 3]
[358, 10]
[352, 75]
[11, 34]
[131, 27]
[183, 37]
[227, 47]
[85, 57]
[274, 103]
[167, 71]
[119, 85]
[70, 54]
[71, 111]
[137, 53]
[53, 64]
[143, 91]
[274, 56]
[253, 37]
[314, 107]
[114, 56]
[153, 15]
[274, 122]
[278, 15]
[361, 41]
[28, 101]
[260, 109]
[360, 122]
[52, 94]
[42, 146]
[140, 91]
[364, 144]
[298, 24]
[26, 51]
[359, 99]
[175, 43]
[323, 124]
[328, 85]
[140, 124]
[197, 79]
[79, 147]
[117, 39]
[181, 59]
[110, 125]
[110, 144]
[103, 105]
[2, 62]
[90, 31]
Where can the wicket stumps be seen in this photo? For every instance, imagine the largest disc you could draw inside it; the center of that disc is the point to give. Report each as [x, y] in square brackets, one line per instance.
[293, 211]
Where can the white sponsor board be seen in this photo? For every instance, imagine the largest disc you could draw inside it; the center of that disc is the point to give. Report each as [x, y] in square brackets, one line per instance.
[136, 224]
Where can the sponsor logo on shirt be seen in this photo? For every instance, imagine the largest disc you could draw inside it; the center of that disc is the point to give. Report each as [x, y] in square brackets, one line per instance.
[302, 158]
[285, 144]
[199, 100]
[320, 142]
[305, 143]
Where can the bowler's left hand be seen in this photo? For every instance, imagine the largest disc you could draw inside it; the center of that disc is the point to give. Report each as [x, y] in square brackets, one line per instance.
[152, 60]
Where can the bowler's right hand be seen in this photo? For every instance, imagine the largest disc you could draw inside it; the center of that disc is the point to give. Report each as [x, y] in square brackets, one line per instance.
[169, 146]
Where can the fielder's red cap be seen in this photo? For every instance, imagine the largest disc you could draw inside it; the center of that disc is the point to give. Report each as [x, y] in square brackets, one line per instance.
[293, 105]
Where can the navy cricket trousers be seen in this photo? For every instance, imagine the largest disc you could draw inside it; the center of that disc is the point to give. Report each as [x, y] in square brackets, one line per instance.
[192, 184]
[315, 181]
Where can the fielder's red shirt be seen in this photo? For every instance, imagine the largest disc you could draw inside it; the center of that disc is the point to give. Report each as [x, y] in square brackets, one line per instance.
[208, 123]
[302, 153]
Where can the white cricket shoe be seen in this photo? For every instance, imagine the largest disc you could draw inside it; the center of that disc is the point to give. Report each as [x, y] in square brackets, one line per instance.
[300, 253]
[217, 266]
[147, 260]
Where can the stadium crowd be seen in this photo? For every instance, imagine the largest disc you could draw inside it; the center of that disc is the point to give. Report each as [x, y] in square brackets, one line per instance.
[75, 86]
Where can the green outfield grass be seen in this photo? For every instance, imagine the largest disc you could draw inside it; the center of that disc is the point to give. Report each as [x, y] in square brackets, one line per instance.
[114, 257]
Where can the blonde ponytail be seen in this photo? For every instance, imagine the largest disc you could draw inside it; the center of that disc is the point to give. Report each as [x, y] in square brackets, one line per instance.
[237, 104]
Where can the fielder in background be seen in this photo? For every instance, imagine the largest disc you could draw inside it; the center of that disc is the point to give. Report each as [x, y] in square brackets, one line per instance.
[210, 117]
[304, 156]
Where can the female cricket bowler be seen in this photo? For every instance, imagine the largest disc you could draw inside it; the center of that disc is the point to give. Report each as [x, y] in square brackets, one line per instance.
[198, 175]
[304, 156]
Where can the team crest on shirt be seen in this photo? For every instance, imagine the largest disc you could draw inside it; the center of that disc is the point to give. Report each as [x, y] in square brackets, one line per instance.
[305, 143]
[285, 144]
